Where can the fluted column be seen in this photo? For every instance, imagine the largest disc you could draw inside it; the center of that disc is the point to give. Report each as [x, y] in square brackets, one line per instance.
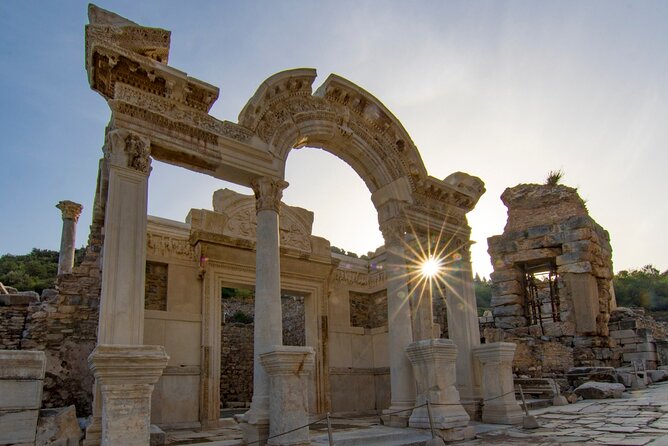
[463, 328]
[127, 160]
[268, 318]
[400, 333]
[70, 213]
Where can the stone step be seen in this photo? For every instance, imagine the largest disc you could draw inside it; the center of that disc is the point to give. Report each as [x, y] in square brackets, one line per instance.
[375, 436]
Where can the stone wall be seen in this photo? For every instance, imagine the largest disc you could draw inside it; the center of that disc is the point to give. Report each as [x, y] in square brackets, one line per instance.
[156, 286]
[13, 316]
[368, 310]
[236, 362]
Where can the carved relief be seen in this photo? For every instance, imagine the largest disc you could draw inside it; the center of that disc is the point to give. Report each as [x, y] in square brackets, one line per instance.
[394, 231]
[166, 246]
[294, 223]
[367, 280]
[138, 150]
[127, 149]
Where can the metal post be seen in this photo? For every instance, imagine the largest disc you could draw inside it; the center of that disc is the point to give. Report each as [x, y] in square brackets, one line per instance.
[524, 403]
[431, 422]
[329, 431]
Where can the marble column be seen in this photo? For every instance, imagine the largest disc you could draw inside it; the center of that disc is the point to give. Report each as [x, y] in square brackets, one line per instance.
[268, 317]
[128, 163]
[421, 293]
[433, 363]
[288, 369]
[400, 332]
[70, 213]
[463, 328]
[500, 406]
[126, 375]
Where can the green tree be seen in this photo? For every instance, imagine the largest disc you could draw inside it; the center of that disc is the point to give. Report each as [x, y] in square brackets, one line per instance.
[645, 287]
[483, 293]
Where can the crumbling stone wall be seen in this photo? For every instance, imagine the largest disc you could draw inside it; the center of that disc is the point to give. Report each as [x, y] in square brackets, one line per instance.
[13, 316]
[368, 310]
[550, 230]
[155, 296]
[236, 362]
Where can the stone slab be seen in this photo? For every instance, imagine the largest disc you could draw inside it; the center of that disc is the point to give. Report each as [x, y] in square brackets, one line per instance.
[22, 364]
[20, 394]
[18, 427]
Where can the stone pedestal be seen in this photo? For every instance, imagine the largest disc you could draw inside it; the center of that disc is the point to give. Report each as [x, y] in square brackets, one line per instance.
[70, 213]
[433, 363]
[21, 379]
[126, 375]
[500, 406]
[400, 332]
[288, 369]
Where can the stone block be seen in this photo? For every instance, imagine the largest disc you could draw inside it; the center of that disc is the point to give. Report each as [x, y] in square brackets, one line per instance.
[506, 274]
[26, 298]
[584, 295]
[596, 390]
[569, 258]
[508, 310]
[534, 254]
[20, 394]
[18, 427]
[22, 364]
[510, 299]
[507, 287]
[622, 334]
[646, 356]
[58, 427]
[539, 231]
[509, 322]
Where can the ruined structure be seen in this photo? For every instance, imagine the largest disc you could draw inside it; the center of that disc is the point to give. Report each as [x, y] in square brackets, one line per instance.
[552, 280]
[160, 113]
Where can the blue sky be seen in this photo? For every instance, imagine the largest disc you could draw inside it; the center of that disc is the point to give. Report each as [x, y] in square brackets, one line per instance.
[506, 91]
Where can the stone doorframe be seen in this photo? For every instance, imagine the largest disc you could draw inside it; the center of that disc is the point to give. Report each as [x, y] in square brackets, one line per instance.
[220, 274]
[161, 113]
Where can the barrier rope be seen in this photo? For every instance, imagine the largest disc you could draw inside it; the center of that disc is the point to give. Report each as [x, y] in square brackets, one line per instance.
[287, 432]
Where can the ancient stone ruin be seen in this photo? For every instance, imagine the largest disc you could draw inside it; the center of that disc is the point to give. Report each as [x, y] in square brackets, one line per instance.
[143, 322]
[552, 288]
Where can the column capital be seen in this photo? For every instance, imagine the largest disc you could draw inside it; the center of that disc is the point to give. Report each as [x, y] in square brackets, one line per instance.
[70, 210]
[394, 231]
[127, 149]
[268, 193]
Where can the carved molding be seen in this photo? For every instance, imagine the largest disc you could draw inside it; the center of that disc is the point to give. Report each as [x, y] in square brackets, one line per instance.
[394, 231]
[161, 245]
[366, 280]
[70, 210]
[268, 193]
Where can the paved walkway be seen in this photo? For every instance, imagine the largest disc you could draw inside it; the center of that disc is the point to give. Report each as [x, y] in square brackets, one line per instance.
[639, 418]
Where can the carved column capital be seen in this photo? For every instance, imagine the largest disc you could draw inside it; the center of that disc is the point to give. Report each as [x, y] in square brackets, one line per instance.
[268, 193]
[394, 231]
[70, 210]
[124, 148]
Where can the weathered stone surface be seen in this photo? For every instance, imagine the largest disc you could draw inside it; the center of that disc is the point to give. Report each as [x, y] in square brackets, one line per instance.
[508, 310]
[58, 426]
[592, 390]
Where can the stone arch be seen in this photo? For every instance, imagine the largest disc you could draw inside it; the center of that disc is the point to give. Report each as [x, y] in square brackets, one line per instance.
[339, 117]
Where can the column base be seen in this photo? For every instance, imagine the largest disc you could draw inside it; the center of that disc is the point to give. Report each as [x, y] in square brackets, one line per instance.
[456, 434]
[502, 414]
[393, 418]
[443, 417]
[255, 433]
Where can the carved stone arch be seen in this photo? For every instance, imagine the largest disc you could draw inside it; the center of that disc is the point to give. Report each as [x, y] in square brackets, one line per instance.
[339, 117]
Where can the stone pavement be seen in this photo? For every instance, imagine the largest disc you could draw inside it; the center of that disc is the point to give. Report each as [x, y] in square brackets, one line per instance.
[639, 418]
